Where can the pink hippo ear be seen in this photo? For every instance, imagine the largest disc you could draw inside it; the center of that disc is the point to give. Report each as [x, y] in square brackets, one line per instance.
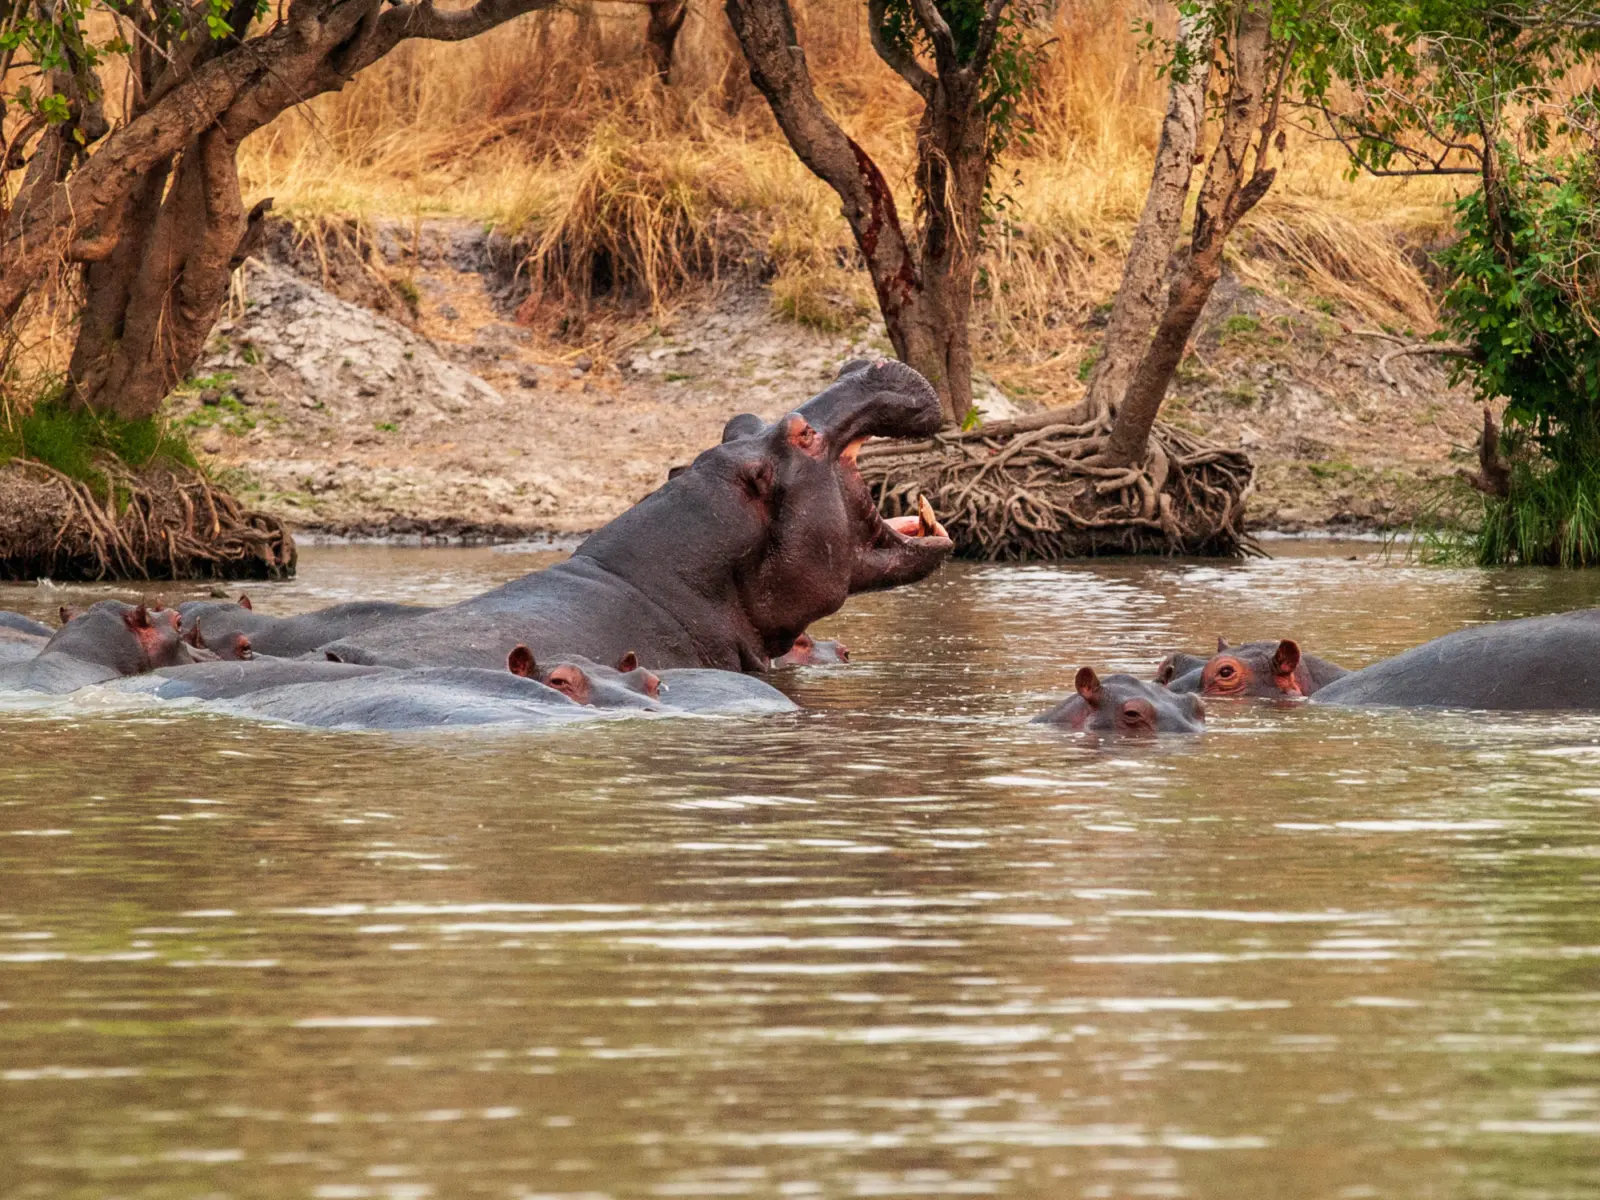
[628, 662]
[244, 602]
[1285, 660]
[757, 479]
[194, 639]
[520, 661]
[1088, 685]
[66, 614]
[139, 618]
[1222, 645]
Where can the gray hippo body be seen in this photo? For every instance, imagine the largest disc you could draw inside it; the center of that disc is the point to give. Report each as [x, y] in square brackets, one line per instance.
[724, 565]
[21, 638]
[213, 623]
[1527, 665]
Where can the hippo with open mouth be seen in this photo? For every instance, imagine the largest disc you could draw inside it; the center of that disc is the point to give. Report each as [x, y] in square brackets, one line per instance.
[724, 565]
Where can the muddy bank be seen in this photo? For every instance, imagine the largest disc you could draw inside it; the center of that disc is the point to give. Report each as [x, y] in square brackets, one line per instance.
[382, 387]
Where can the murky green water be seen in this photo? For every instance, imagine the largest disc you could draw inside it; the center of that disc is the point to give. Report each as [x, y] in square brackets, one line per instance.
[901, 945]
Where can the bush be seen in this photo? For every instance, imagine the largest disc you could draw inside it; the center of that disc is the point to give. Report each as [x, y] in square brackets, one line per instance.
[1527, 288]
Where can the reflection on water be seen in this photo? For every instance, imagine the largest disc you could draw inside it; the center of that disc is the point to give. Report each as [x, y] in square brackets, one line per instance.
[901, 944]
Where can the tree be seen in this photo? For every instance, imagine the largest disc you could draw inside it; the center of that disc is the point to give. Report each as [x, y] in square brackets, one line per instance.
[1487, 90]
[980, 68]
[1138, 302]
[149, 208]
[1256, 64]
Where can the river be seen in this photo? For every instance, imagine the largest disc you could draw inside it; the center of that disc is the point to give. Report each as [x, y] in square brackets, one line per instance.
[901, 944]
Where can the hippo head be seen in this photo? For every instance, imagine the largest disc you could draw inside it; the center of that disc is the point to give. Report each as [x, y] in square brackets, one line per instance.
[1268, 669]
[775, 527]
[627, 685]
[126, 638]
[1127, 706]
[807, 651]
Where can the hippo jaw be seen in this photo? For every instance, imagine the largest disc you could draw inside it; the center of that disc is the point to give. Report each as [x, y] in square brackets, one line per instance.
[880, 399]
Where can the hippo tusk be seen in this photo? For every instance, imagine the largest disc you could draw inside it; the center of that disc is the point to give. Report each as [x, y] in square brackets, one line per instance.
[848, 454]
[927, 523]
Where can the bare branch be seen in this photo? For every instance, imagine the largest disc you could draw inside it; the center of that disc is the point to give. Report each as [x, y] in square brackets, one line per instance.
[944, 42]
[904, 63]
[987, 32]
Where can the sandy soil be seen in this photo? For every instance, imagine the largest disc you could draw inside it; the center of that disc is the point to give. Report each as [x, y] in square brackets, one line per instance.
[446, 417]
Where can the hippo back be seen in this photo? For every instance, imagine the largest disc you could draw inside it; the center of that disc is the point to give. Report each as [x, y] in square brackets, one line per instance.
[1537, 663]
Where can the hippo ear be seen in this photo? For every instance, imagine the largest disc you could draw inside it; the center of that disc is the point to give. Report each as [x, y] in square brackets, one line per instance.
[1222, 645]
[194, 639]
[244, 602]
[674, 472]
[1167, 671]
[66, 614]
[628, 662]
[756, 478]
[1285, 658]
[139, 618]
[741, 426]
[1088, 685]
[520, 661]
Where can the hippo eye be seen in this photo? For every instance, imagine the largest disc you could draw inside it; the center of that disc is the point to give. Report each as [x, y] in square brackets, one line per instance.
[1225, 671]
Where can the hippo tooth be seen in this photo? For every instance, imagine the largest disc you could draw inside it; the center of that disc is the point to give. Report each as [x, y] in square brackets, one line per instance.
[927, 523]
[848, 454]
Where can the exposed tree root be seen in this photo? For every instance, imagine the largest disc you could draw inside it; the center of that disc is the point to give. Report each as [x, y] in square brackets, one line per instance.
[157, 523]
[1035, 489]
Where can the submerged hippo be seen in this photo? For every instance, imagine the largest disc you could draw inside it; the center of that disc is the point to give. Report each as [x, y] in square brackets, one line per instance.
[722, 566]
[1531, 664]
[106, 641]
[215, 624]
[1125, 705]
[808, 651]
[21, 638]
[1266, 669]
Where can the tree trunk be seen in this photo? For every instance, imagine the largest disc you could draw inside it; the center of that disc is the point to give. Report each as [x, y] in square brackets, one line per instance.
[151, 306]
[661, 33]
[925, 295]
[1249, 119]
[1138, 302]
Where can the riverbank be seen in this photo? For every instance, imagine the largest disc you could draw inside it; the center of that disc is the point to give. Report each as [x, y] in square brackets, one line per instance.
[382, 384]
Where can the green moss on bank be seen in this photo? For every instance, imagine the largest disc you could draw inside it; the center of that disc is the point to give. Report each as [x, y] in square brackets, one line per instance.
[73, 440]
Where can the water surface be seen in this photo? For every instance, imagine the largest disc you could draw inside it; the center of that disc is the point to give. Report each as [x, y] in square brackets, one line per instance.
[902, 944]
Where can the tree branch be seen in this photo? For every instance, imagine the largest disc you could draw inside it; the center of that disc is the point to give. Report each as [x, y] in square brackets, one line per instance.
[902, 61]
[987, 32]
[944, 42]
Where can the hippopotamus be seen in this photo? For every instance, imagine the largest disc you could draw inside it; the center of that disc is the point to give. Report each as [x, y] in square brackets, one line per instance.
[1531, 664]
[808, 651]
[21, 638]
[1125, 705]
[627, 685]
[108, 640]
[722, 566]
[1269, 669]
[214, 623]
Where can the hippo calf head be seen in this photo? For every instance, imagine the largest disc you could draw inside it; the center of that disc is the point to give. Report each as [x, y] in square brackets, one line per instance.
[627, 685]
[1124, 705]
[808, 651]
[775, 527]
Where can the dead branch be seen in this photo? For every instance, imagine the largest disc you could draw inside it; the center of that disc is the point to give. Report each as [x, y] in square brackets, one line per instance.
[1443, 349]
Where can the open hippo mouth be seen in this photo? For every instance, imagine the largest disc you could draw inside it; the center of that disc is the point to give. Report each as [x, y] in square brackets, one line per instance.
[880, 399]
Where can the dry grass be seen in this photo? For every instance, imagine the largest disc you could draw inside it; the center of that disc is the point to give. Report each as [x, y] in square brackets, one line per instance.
[621, 184]
[552, 127]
